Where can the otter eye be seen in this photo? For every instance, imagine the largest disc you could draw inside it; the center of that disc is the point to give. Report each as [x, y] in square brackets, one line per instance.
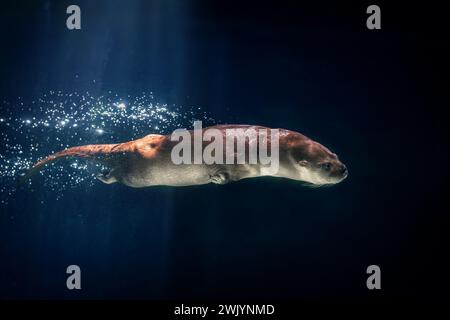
[326, 166]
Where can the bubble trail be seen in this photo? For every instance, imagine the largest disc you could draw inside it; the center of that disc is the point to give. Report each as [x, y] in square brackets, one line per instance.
[30, 130]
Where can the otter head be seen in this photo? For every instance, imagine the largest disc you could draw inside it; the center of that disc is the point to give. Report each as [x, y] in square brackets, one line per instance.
[313, 163]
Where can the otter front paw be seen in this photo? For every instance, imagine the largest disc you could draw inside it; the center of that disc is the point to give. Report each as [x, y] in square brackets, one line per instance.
[219, 178]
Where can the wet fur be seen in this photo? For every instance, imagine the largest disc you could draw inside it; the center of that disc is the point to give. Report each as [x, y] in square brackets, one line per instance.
[146, 162]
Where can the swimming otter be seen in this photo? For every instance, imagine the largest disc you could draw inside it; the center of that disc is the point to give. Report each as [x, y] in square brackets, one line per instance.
[147, 161]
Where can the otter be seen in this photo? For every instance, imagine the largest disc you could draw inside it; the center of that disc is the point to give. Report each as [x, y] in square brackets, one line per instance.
[147, 162]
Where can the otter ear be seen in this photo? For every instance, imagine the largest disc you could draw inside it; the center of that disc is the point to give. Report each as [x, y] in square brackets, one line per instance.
[303, 163]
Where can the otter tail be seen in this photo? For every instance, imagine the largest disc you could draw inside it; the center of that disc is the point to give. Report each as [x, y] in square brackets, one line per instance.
[97, 152]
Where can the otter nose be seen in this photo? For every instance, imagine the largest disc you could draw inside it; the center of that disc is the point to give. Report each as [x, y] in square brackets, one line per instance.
[343, 169]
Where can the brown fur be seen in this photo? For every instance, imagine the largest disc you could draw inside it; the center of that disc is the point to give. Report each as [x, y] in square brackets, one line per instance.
[134, 157]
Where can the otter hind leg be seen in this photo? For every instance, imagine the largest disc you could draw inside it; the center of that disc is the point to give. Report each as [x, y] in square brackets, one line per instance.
[106, 177]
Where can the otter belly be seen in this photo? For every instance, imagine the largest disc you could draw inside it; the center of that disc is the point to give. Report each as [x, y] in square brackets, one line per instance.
[168, 175]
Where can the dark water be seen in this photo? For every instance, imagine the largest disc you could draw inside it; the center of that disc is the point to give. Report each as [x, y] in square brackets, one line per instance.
[374, 98]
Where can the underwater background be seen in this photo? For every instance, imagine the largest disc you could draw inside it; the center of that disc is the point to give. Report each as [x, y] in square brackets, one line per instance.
[376, 98]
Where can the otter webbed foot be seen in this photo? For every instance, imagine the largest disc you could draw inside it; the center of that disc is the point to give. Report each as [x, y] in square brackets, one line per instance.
[106, 177]
[219, 178]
